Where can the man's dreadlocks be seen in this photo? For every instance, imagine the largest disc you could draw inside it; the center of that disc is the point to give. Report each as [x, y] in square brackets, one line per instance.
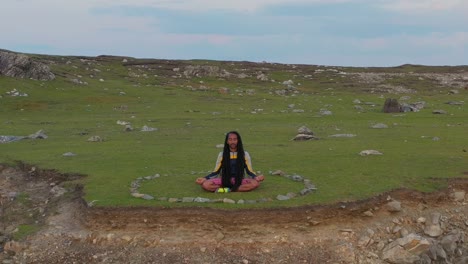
[226, 164]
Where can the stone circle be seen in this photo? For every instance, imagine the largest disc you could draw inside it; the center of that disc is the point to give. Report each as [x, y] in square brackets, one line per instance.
[309, 187]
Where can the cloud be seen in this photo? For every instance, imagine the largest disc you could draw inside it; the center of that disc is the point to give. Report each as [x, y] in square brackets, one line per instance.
[436, 40]
[455, 40]
[426, 6]
[205, 5]
[341, 32]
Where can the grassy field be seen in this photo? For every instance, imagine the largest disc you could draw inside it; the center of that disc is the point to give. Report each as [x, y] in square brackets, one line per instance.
[191, 121]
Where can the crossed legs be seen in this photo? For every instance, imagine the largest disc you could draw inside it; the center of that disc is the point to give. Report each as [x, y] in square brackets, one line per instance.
[247, 185]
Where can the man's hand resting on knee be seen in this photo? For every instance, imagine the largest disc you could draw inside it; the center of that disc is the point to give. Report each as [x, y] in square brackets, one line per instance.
[200, 180]
[259, 178]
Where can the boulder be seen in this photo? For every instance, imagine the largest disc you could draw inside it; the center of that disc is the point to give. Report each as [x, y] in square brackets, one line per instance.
[21, 66]
[391, 105]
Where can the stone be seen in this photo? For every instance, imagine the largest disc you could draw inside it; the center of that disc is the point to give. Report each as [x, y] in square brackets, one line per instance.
[459, 196]
[298, 111]
[394, 206]
[219, 236]
[303, 137]
[440, 252]
[368, 213]
[433, 228]
[22, 66]
[201, 200]
[462, 260]
[347, 252]
[148, 129]
[297, 178]
[14, 246]
[123, 123]
[310, 186]
[379, 125]
[262, 77]
[278, 172]
[281, 197]
[404, 232]
[38, 135]
[359, 108]
[454, 103]
[126, 238]
[147, 197]
[187, 199]
[406, 249]
[343, 135]
[223, 90]
[228, 201]
[415, 244]
[264, 200]
[449, 242]
[95, 139]
[439, 112]
[57, 191]
[396, 229]
[314, 223]
[204, 71]
[364, 241]
[8, 139]
[369, 152]
[12, 195]
[425, 259]
[391, 105]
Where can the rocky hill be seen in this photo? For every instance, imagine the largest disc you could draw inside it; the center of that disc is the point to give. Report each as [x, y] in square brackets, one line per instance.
[192, 73]
[22, 66]
[44, 218]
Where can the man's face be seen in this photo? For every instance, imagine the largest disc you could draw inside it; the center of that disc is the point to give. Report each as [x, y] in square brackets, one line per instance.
[232, 142]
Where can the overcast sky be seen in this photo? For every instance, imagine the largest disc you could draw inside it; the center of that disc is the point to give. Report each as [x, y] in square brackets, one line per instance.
[321, 32]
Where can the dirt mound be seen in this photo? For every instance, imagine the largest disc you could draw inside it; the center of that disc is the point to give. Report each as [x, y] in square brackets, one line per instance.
[69, 231]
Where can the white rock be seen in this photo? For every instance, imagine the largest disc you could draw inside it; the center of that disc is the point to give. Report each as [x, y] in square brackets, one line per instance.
[370, 152]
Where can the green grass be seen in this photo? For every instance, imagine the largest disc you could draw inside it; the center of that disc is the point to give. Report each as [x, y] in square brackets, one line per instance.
[24, 231]
[191, 123]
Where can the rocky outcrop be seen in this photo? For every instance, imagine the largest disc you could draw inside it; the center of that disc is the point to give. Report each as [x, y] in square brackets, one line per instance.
[21, 66]
[202, 71]
[210, 71]
[391, 105]
[304, 133]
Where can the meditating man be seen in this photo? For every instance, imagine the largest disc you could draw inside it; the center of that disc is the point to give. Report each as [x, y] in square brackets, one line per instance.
[232, 164]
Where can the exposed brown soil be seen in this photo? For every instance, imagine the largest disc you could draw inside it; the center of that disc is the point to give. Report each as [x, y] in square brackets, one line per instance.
[72, 232]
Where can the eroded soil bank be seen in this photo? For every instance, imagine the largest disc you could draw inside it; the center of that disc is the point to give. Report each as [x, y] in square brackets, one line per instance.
[45, 220]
